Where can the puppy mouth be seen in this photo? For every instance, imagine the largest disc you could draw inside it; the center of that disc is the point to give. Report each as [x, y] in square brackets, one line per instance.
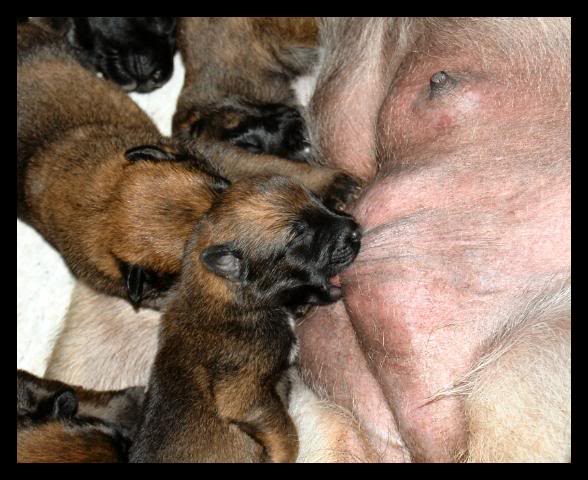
[334, 288]
[332, 292]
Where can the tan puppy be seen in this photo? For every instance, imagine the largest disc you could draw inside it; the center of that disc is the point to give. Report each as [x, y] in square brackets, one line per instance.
[119, 222]
[253, 59]
[79, 182]
[59, 423]
[238, 84]
[262, 256]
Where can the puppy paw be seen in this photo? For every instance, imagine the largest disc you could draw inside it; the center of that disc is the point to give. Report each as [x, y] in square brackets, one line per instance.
[344, 190]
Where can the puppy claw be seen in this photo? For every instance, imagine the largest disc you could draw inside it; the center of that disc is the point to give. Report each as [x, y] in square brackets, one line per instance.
[344, 190]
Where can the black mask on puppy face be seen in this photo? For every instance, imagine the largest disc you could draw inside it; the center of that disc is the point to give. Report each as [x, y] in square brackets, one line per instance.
[135, 52]
[284, 247]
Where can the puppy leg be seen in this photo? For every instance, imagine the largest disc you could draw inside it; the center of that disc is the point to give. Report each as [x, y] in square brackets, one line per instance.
[327, 433]
[262, 415]
[270, 425]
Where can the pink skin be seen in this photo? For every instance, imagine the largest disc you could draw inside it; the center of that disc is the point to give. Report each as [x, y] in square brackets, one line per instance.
[466, 210]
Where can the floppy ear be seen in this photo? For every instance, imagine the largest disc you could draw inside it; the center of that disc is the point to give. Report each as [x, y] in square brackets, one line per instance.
[148, 152]
[65, 404]
[62, 404]
[134, 278]
[121, 408]
[224, 260]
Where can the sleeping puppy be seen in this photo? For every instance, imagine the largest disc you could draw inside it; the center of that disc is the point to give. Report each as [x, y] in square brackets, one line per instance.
[134, 52]
[99, 183]
[119, 223]
[59, 423]
[262, 256]
[239, 74]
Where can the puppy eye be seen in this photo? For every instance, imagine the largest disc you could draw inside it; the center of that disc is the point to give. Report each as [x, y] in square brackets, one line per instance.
[301, 232]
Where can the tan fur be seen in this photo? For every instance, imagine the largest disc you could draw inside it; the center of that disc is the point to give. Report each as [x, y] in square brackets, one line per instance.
[334, 186]
[227, 339]
[74, 184]
[55, 443]
[327, 432]
[107, 345]
[224, 379]
[232, 63]
[63, 423]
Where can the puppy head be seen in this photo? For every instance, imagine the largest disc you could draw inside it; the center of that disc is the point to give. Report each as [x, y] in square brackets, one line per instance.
[274, 244]
[40, 401]
[135, 52]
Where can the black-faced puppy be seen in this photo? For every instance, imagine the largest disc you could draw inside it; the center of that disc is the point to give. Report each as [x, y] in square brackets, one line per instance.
[262, 256]
[60, 423]
[134, 52]
[239, 73]
[119, 222]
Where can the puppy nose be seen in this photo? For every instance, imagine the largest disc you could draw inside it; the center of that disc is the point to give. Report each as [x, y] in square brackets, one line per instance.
[353, 235]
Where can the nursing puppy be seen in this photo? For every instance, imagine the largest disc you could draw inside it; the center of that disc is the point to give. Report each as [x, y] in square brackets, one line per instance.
[238, 80]
[119, 222]
[60, 423]
[134, 52]
[263, 255]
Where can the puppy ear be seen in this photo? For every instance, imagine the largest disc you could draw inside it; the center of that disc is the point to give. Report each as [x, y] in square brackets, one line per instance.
[148, 152]
[134, 277]
[64, 404]
[224, 260]
[43, 398]
[121, 408]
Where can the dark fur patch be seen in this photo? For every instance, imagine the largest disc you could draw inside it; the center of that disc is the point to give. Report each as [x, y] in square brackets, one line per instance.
[276, 50]
[265, 251]
[53, 424]
[134, 52]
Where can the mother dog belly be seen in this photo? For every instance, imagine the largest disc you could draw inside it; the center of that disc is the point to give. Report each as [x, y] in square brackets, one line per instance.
[466, 222]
